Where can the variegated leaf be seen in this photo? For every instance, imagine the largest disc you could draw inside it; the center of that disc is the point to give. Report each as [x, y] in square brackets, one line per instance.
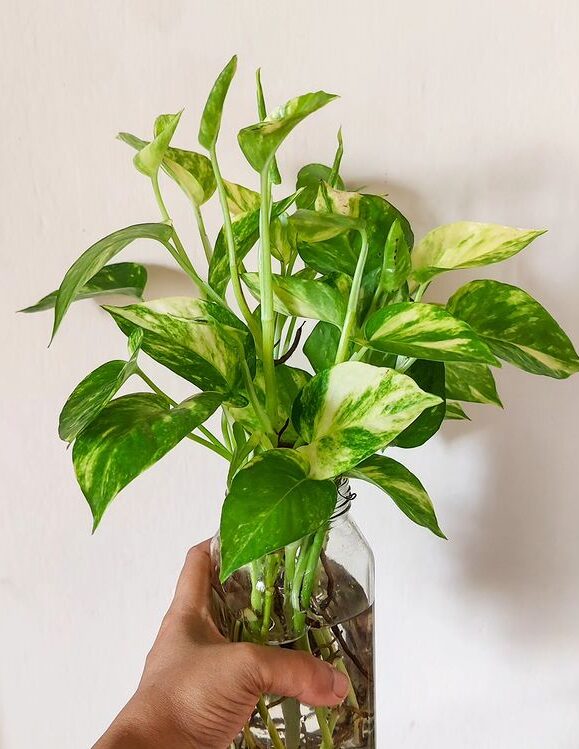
[149, 158]
[402, 486]
[96, 257]
[198, 184]
[283, 239]
[241, 199]
[128, 279]
[245, 235]
[272, 502]
[425, 331]
[91, 395]
[467, 244]
[397, 263]
[429, 376]
[128, 436]
[211, 117]
[262, 114]
[312, 226]
[259, 142]
[290, 381]
[350, 411]
[516, 327]
[309, 178]
[300, 297]
[471, 382]
[454, 411]
[198, 340]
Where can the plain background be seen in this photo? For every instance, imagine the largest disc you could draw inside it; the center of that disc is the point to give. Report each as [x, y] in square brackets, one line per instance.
[455, 109]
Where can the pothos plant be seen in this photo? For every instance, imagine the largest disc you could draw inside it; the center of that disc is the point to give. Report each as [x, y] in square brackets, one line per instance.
[386, 367]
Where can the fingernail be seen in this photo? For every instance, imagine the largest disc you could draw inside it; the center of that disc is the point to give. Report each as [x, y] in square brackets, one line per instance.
[340, 684]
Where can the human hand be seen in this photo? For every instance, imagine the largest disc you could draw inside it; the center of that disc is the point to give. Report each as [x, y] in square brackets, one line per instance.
[198, 689]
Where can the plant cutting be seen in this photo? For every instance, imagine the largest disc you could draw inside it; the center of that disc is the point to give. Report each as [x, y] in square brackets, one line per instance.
[385, 368]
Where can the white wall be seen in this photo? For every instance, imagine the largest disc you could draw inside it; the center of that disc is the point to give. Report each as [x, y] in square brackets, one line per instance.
[457, 109]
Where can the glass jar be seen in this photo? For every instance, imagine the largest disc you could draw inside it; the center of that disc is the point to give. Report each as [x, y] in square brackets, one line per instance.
[316, 594]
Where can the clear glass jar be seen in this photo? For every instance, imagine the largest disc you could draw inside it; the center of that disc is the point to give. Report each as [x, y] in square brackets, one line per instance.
[316, 595]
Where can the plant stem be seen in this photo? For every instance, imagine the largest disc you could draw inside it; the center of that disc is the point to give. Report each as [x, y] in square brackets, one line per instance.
[350, 319]
[187, 266]
[207, 248]
[159, 198]
[230, 241]
[269, 724]
[271, 569]
[266, 296]
[257, 407]
[420, 291]
[321, 713]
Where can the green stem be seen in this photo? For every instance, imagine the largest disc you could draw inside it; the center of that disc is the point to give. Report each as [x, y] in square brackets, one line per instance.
[420, 291]
[255, 402]
[266, 297]
[256, 594]
[159, 198]
[207, 248]
[271, 570]
[321, 712]
[298, 615]
[269, 724]
[230, 242]
[350, 319]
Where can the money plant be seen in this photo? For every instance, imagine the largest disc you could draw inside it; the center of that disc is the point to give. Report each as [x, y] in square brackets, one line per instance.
[386, 368]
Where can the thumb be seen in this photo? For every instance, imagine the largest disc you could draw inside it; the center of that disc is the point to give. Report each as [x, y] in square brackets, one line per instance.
[290, 673]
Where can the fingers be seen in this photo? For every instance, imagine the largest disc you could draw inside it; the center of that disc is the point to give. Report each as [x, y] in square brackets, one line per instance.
[193, 592]
[289, 673]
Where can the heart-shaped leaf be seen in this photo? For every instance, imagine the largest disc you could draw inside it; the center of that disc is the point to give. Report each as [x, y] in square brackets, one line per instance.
[198, 340]
[300, 297]
[128, 436]
[350, 411]
[149, 159]
[128, 279]
[454, 411]
[241, 199]
[402, 486]
[97, 256]
[211, 117]
[429, 376]
[245, 234]
[259, 142]
[321, 346]
[272, 502]
[516, 327]
[91, 395]
[199, 182]
[425, 331]
[467, 244]
[308, 181]
[471, 382]
[312, 226]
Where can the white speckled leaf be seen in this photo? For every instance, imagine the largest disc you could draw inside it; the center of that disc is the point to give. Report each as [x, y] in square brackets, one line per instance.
[516, 327]
[198, 340]
[467, 244]
[272, 502]
[302, 297]
[350, 411]
[425, 331]
[211, 118]
[402, 486]
[241, 199]
[128, 436]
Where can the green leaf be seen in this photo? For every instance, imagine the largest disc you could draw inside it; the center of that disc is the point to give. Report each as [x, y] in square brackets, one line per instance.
[211, 117]
[312, 226]
[128, 279]
[271, 503]
[91, 395]
[334, 176]
[262, 114]
[336, 254]
[321, 346]
[516, 327]
[397, 263]
[290, 381]
[149, 159]
[402, 486]
[199, 182]
[470, 382]
[245, 234]
[198, 340]
[425, 331]
[467, 244]
[309, 179]
[300, 297]
[241, 199]
[259, 142]
[455, 411]
[97, 256]
[283, 239]
[128, 436]
[429, 376]
[350, 411]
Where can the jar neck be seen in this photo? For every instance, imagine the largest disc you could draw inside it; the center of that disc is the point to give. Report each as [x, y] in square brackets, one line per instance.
[343, 500]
